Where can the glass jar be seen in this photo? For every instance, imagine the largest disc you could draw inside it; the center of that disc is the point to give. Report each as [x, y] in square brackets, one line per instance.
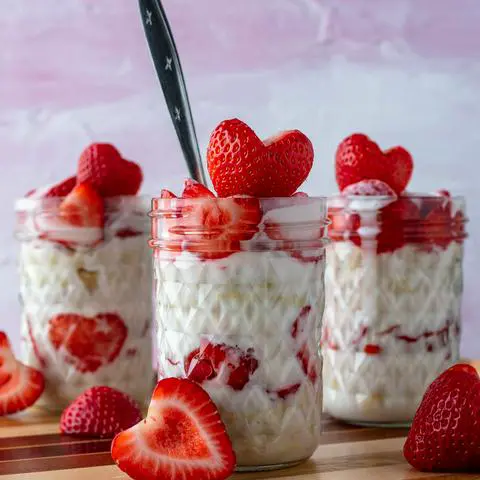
[239, 300]
[393, 296]
[86, 299]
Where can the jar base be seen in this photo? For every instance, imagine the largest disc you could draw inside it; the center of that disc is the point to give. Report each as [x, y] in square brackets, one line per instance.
[268, 468]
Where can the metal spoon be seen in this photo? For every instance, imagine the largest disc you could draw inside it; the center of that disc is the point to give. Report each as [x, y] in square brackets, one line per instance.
[169, 71]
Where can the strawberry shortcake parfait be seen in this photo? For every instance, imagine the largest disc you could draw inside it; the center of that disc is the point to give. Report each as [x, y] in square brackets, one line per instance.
[85, 280]
[239, 292]
[393, 286]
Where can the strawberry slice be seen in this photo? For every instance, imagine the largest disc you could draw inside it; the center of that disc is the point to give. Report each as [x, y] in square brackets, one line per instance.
[300, 194]
[214, 227]
[20, 386]
[87, 343]
[445, 433]
[60, 189]
[167, 194]
[182, 438]
[63, 188]
[102, 165]
[210, 360]
[194, 189]
[100, 412]
[83, 207]
[299, 333]
[79, 221]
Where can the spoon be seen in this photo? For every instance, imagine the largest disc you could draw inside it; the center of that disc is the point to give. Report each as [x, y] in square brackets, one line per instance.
[169, 71]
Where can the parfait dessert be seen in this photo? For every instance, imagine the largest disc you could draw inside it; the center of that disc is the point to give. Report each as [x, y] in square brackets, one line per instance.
[85, 280]
[239, 292]
[393, 286]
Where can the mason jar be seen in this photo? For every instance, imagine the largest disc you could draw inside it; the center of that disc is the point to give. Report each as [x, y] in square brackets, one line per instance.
[86, 299]
[393, 294]
[239, 299]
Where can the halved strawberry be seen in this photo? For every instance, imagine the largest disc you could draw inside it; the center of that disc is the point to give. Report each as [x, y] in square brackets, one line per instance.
[87, 343]
[182, 438]
[300, 194]
[83, 207]
[359, 158]
[20, 386]
[79, 220]
[102, 165]
[167, 194]
[213, 228]
[240, 163]
[194, 189]
[63, 188]
[236, 365]
[100, 412]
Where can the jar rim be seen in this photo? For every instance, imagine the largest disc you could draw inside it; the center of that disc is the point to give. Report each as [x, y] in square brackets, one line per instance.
[29, 204]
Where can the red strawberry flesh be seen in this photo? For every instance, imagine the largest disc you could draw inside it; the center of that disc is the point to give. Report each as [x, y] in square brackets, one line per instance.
[182, 437]
[87, 343]
[83, 207]
[20, 386]
[369, 188]
[194, 189]
[206, 362]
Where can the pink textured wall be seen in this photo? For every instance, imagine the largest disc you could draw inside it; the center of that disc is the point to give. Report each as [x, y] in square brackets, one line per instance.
[404, 71]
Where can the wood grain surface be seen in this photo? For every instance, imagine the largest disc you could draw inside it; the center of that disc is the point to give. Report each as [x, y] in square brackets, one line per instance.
[32, 449]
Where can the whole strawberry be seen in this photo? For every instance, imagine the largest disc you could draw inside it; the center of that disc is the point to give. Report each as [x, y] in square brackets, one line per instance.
[445, 433]
[360, 158]
[100, 412]
[102, 165]
[240, 163]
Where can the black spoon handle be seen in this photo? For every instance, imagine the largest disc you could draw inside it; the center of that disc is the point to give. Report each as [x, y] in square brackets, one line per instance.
[169, 71]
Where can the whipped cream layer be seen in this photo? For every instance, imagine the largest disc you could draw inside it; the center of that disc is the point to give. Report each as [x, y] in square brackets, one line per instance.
[249, 302]
[391, 325]
[101, 294]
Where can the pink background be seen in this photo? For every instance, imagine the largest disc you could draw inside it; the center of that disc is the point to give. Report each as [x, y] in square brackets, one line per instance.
[404, 71]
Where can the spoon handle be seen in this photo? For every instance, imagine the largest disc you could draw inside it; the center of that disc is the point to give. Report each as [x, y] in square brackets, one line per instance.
[169, 71]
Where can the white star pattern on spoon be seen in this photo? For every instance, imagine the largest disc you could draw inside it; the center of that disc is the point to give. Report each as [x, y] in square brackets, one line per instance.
[177, 114]
[168, 64]
[148, 20]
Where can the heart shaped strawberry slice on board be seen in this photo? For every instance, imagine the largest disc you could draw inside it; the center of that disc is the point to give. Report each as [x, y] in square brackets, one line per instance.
[240, 163]
[360, 158]
[445, 433]
[20, 385]
[87, 343]
[182, 438]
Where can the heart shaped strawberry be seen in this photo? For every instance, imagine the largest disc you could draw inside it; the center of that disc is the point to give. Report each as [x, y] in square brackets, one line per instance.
[239, 162]
[87, 343]
[182, 438]
[445, 433]
[102, 165]
[360, 158]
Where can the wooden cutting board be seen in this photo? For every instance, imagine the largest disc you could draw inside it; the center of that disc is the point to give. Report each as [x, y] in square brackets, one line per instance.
[32, 449]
